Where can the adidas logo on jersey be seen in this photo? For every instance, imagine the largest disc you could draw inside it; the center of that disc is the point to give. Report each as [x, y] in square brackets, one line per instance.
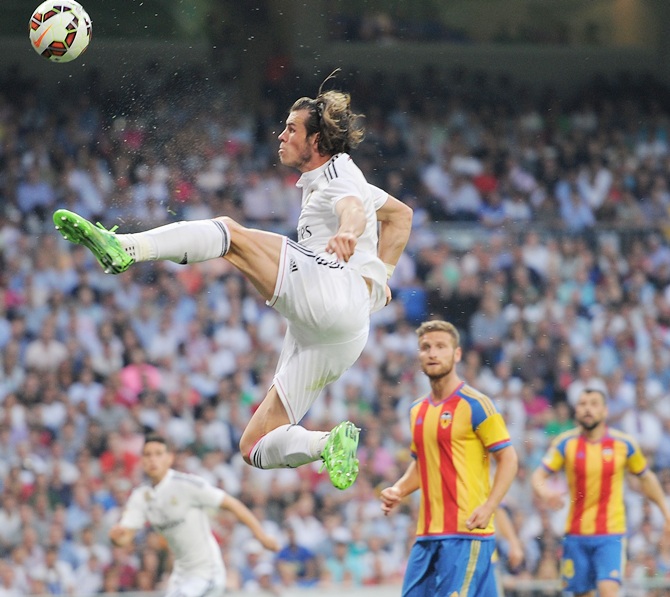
[292, 265]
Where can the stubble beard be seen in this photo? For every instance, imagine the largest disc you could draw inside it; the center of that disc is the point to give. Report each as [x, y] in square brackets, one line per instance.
[299, 162]
[589, 426]
[441, 374]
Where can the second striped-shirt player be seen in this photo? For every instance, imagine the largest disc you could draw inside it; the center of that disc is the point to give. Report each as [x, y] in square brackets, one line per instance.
[595, 459]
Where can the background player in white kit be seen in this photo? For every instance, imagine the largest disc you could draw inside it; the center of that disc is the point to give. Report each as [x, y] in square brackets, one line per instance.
[176, 505]
[326, 285]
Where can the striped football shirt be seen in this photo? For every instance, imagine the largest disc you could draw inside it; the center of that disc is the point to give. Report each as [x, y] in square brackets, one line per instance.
[595, 472]
[451, 440]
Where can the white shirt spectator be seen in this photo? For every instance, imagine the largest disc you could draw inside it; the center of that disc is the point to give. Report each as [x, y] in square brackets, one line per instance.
[645, 426]
[10, 522]
[89, 577]
[45, 354]
[88, 391]
[58, 577]
[180, 431]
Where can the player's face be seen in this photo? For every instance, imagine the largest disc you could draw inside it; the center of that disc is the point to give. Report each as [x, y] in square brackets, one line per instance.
[438, 354]
[296, 149]
[590, 410]
[156, 460]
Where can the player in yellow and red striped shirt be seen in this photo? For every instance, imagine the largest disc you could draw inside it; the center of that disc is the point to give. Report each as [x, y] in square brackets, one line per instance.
[595, 459]
[455, 431]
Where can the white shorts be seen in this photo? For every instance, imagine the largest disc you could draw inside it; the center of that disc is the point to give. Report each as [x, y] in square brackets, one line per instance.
[195, 586]
[327, 306]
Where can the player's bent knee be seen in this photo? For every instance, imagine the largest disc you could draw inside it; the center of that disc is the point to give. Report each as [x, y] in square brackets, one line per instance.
[247, 444]
[233, 225]
[241, 238]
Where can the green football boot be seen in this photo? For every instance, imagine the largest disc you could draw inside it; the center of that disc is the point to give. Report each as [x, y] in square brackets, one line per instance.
[339, 455]
[104, 244]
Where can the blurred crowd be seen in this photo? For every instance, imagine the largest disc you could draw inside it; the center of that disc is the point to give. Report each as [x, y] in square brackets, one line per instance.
[540, 231]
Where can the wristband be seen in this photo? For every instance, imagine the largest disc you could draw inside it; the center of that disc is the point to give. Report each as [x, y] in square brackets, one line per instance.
[389, 270]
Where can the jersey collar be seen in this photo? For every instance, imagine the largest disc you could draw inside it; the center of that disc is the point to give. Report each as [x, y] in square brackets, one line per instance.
[308, 179]
[454, 393]
[164, 480]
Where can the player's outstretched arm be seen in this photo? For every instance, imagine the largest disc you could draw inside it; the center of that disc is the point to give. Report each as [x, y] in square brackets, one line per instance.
[121, 536]
[395, 220]
[408, 483]
[246, 516]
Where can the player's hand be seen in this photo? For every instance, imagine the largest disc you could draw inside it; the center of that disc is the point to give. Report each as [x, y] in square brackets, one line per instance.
[389, 296]
[390, 498]
[119, 536]
[480, 517]
[666, 528]
[342, 245]
[554, 500]
[269, 542]
[515, 555]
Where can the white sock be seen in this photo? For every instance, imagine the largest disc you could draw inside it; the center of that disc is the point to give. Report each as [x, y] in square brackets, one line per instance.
[181, 242]
[288, 446]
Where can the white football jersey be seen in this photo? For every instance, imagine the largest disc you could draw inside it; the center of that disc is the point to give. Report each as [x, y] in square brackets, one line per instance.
[176, 508]
[322, 188]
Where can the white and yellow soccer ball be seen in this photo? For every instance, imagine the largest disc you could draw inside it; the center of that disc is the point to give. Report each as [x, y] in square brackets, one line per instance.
[60, 30]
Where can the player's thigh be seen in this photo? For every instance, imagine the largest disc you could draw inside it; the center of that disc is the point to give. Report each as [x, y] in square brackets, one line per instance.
[609, 559]
[577, 566]
[257, 254]
[610, 588]
[195, 587]
[269, 415]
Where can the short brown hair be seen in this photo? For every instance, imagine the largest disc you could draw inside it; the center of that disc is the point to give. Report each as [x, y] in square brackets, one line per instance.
[601, 393]
[158, 439]
[437, 325]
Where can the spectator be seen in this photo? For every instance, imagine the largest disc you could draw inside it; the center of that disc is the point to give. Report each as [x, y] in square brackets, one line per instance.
[341, 567]
[487, 330]
[89, 576]
[117, 459]
[9, 586]
[45, 353]
[297, 566]
[56, 574]
[137, 377]
[88, 391]
[642, 423]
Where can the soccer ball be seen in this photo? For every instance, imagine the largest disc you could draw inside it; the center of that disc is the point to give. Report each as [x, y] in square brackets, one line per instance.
[60, 30]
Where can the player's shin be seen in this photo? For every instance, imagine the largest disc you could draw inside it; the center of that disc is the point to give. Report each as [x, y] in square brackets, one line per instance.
[287, 446]
[181, 242]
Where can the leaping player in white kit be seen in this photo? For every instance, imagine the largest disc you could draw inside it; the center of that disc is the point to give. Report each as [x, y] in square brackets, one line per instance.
[175, 505]
[326, 285]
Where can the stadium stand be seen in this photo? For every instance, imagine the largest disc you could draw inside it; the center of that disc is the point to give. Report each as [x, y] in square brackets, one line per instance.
[540, 230]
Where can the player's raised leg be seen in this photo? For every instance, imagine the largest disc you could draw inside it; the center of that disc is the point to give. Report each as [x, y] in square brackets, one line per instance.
[271, 438]
[255, 253]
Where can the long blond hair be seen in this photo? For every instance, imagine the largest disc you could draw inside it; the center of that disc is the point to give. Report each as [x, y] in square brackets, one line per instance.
[331, 116]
